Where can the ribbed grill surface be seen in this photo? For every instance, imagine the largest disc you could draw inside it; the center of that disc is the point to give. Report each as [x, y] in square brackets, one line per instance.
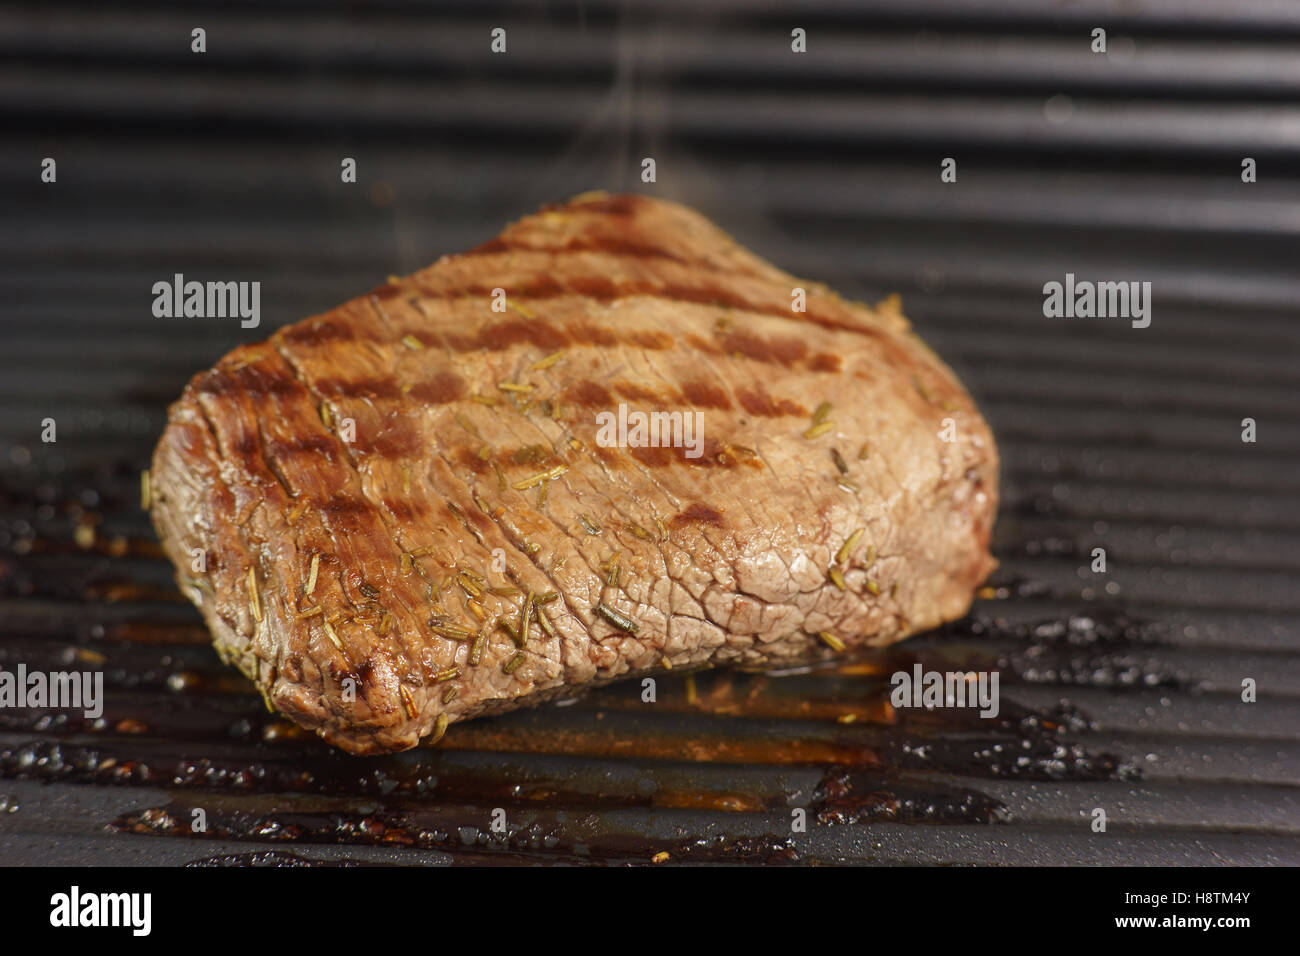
[1120, 691]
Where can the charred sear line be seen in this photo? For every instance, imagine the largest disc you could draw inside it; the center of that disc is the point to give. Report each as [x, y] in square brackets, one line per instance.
[498, 336]
[647, 396]
[775, 350]
[758, 402]
[247, 379]
[614, 245]
[697, 513]
[705, 395]
[587, 394]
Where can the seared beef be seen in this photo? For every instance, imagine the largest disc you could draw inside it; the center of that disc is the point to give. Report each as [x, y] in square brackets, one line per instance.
[398, 514]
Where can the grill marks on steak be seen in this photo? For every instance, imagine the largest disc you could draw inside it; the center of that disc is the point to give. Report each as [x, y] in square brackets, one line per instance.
[723, 558]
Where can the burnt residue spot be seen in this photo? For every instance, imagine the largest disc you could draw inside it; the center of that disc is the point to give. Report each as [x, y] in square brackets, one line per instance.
[1097, 650]
[847, 796]
[766, 850]
[1100, 647]
[1102, 627]
[1019, 743]
[758, 402]
[460, 832]
[705, 395]
[383, 827]
[1036, 754]
[696, 513]
[149, 761]
[588, 394]
[270, 858]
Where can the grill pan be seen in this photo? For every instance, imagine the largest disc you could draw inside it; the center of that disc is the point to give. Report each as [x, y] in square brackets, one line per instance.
[1120, 691]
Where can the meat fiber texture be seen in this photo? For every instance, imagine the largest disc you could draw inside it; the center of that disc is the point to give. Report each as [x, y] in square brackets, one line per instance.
[403, 513]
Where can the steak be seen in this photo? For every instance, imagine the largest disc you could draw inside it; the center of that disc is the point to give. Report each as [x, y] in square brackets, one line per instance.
[414, 509]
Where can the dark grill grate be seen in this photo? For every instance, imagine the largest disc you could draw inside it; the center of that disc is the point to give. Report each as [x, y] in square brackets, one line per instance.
[1119, 692]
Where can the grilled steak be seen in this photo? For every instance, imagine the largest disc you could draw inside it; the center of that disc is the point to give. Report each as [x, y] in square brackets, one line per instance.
[413, 510]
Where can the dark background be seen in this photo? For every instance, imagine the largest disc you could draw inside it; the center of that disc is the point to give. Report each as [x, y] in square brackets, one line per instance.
[1120, 691]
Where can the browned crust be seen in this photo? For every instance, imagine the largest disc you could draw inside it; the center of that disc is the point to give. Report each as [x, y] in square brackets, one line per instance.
[723, 559]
